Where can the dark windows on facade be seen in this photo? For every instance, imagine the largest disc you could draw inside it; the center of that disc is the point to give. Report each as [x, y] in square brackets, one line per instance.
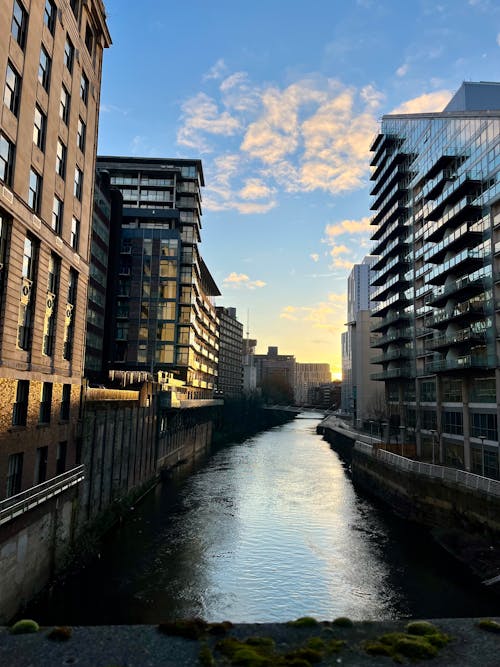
[453, 422]
[69, 54]
[75, 6]
[39, 128]
[4, 244]
[65, 402]
[26, 305]
[49, 327]
[60, 158]
[75, 233]
[64, 105]
[89, 38]
[44, 69]
[62, 450]
[81, 134]
[484, 425]
[57, 215]
[12, 91]
[35, 191]
[45, 403]
[20, 410]
[49, 15]
[19, 23]
[14, 474]
[69, 324]
[78, 184]
[6, 160]
[84, 88]
[42, 456]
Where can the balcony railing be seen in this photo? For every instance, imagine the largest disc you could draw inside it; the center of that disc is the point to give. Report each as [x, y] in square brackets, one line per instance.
[475, 283]
[468, 361]
[466, 258]
[467, 309]
[463, 337]
[390, 319]
[22, 502]
[392, 373]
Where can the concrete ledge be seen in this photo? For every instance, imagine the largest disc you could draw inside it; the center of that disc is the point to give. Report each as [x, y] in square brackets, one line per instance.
[145, 646]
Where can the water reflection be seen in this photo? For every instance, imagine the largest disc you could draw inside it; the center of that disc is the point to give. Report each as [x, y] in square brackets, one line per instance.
[268, 530]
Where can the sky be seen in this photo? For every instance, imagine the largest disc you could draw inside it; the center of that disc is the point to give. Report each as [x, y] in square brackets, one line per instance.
[281, 100]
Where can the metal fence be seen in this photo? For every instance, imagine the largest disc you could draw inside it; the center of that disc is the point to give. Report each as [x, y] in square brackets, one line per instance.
[454, 475]
[26, 500]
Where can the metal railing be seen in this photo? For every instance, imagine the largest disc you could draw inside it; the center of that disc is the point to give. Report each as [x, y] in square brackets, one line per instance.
[26, 500]
[462, 478]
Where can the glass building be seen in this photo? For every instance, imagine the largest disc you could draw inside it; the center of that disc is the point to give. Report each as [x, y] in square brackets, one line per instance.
[437, 237]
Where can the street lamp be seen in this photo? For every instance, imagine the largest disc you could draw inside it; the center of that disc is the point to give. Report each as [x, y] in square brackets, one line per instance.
[482, 437]
[402, 430]
[433, 434]
[384, 433]
[371, 430]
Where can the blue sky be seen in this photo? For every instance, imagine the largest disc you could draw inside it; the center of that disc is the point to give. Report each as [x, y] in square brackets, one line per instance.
[281, 99]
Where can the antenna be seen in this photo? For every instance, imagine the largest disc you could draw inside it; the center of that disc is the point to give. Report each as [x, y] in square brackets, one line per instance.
[248, 323]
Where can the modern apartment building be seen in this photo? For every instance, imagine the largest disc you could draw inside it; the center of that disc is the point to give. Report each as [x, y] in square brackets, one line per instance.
[359, 391]
[275, 375]
[164, 318]
[308, 376]
[230, 369]
[50, 74]
[437, 234]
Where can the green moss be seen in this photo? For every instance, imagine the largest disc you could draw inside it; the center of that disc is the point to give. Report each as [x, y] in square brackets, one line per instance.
[489, 625]
[303, 622]
[24, 626]
[377, 648]
[60, 633]
[194, 628]
[294, 662]
[424, 642]
[219, 628]
[316, 643]
[250, 657]
[265, 643]
[205, 657]
[304, 653]
[343, 622]
[421, 628]
[335, 645]
[415, 648]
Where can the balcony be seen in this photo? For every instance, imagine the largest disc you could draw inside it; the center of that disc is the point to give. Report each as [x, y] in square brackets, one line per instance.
[22, 502]
[467, 286]
[464, 210]
[468, 310]
[383, 218]
[385, 165]
[379, 293]
[394, 266]
[403, 353]
[380, 142]
[464, 236]
[393, 373]
[466, 261]
[392, 174]
[463, 338]
[381, 325]
[464, 184]
[400, 335]
[459, 364]
[384, 204]
[394, 301]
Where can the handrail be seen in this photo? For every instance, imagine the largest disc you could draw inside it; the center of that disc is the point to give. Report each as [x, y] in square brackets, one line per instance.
[26, 500]
[461, 477]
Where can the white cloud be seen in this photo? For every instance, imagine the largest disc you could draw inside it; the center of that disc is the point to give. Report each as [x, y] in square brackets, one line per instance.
[328, 315]
[217, 71]
[241, 280]
[314, 256]
[201, 115]
[425, 103]
[361, 226]
[401, 71]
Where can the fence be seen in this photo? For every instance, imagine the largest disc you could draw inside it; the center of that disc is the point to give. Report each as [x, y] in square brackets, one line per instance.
[460, 477]
[26, 500]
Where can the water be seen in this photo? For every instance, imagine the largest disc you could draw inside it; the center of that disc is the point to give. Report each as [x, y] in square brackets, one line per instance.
[267, 530]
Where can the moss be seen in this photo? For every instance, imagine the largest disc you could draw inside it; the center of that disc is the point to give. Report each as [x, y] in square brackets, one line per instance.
[309, 654]
[60, 633]
[415, 648]
[377, 648]
[250, 657]
[335, 645]
[489, 625]
[343, 622]
[194, 628]
[294, 662]
[265, 643]
[424, 643]
[421, 628]
[316, 643]
[303, 622]
[219, 628]
[205, 657]
[24, 626]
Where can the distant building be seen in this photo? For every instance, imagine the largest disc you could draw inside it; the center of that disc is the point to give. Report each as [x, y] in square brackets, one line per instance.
[164, 318]
[359, 391]
[50, 76]
[308, 376]
[276, 376]
[230, 370]
[325, 396]
[249, 367]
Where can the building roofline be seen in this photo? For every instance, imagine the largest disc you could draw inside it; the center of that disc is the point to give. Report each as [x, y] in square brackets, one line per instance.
[207, 278]
[165, 162]
[493, 113]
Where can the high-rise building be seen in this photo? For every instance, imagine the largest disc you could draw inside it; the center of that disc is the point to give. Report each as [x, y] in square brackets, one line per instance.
[359, 392]
[308, 376]
[230, 370]
[249, 368]
[164, 317]
[50, 75]
[437, 231]
[275, 375]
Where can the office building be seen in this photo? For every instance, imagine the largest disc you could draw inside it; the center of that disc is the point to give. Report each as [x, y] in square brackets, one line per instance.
[50, 75]
[249, 368]
[275, 375]
[437, 231]
[164, 318]
[308, 376]
[230, 369]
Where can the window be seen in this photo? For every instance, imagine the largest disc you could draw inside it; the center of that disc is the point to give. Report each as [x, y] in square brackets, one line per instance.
[72, 283]
[39, 128]
[64, 105]
[453, 423]
[44, 69]
[65, 402]
[45, 403]
[69, 54]
[62, 449]
[78, 185]
[6, 160]
[42, 455]
[75, 5]
[81, 134]
[484, 424]
[49, 15]
[84, 88]
[70, 319]
[35, 191]
[4, 245]
[19, 23]
[75, 233]
[60, 158]
[14, 474]
[26, 305]
[89, 38]
[49, 326]
[12, 89]
[57, 215]
[20, 411]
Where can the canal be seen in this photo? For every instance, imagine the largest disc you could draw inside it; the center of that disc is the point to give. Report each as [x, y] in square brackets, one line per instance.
[268, 529]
